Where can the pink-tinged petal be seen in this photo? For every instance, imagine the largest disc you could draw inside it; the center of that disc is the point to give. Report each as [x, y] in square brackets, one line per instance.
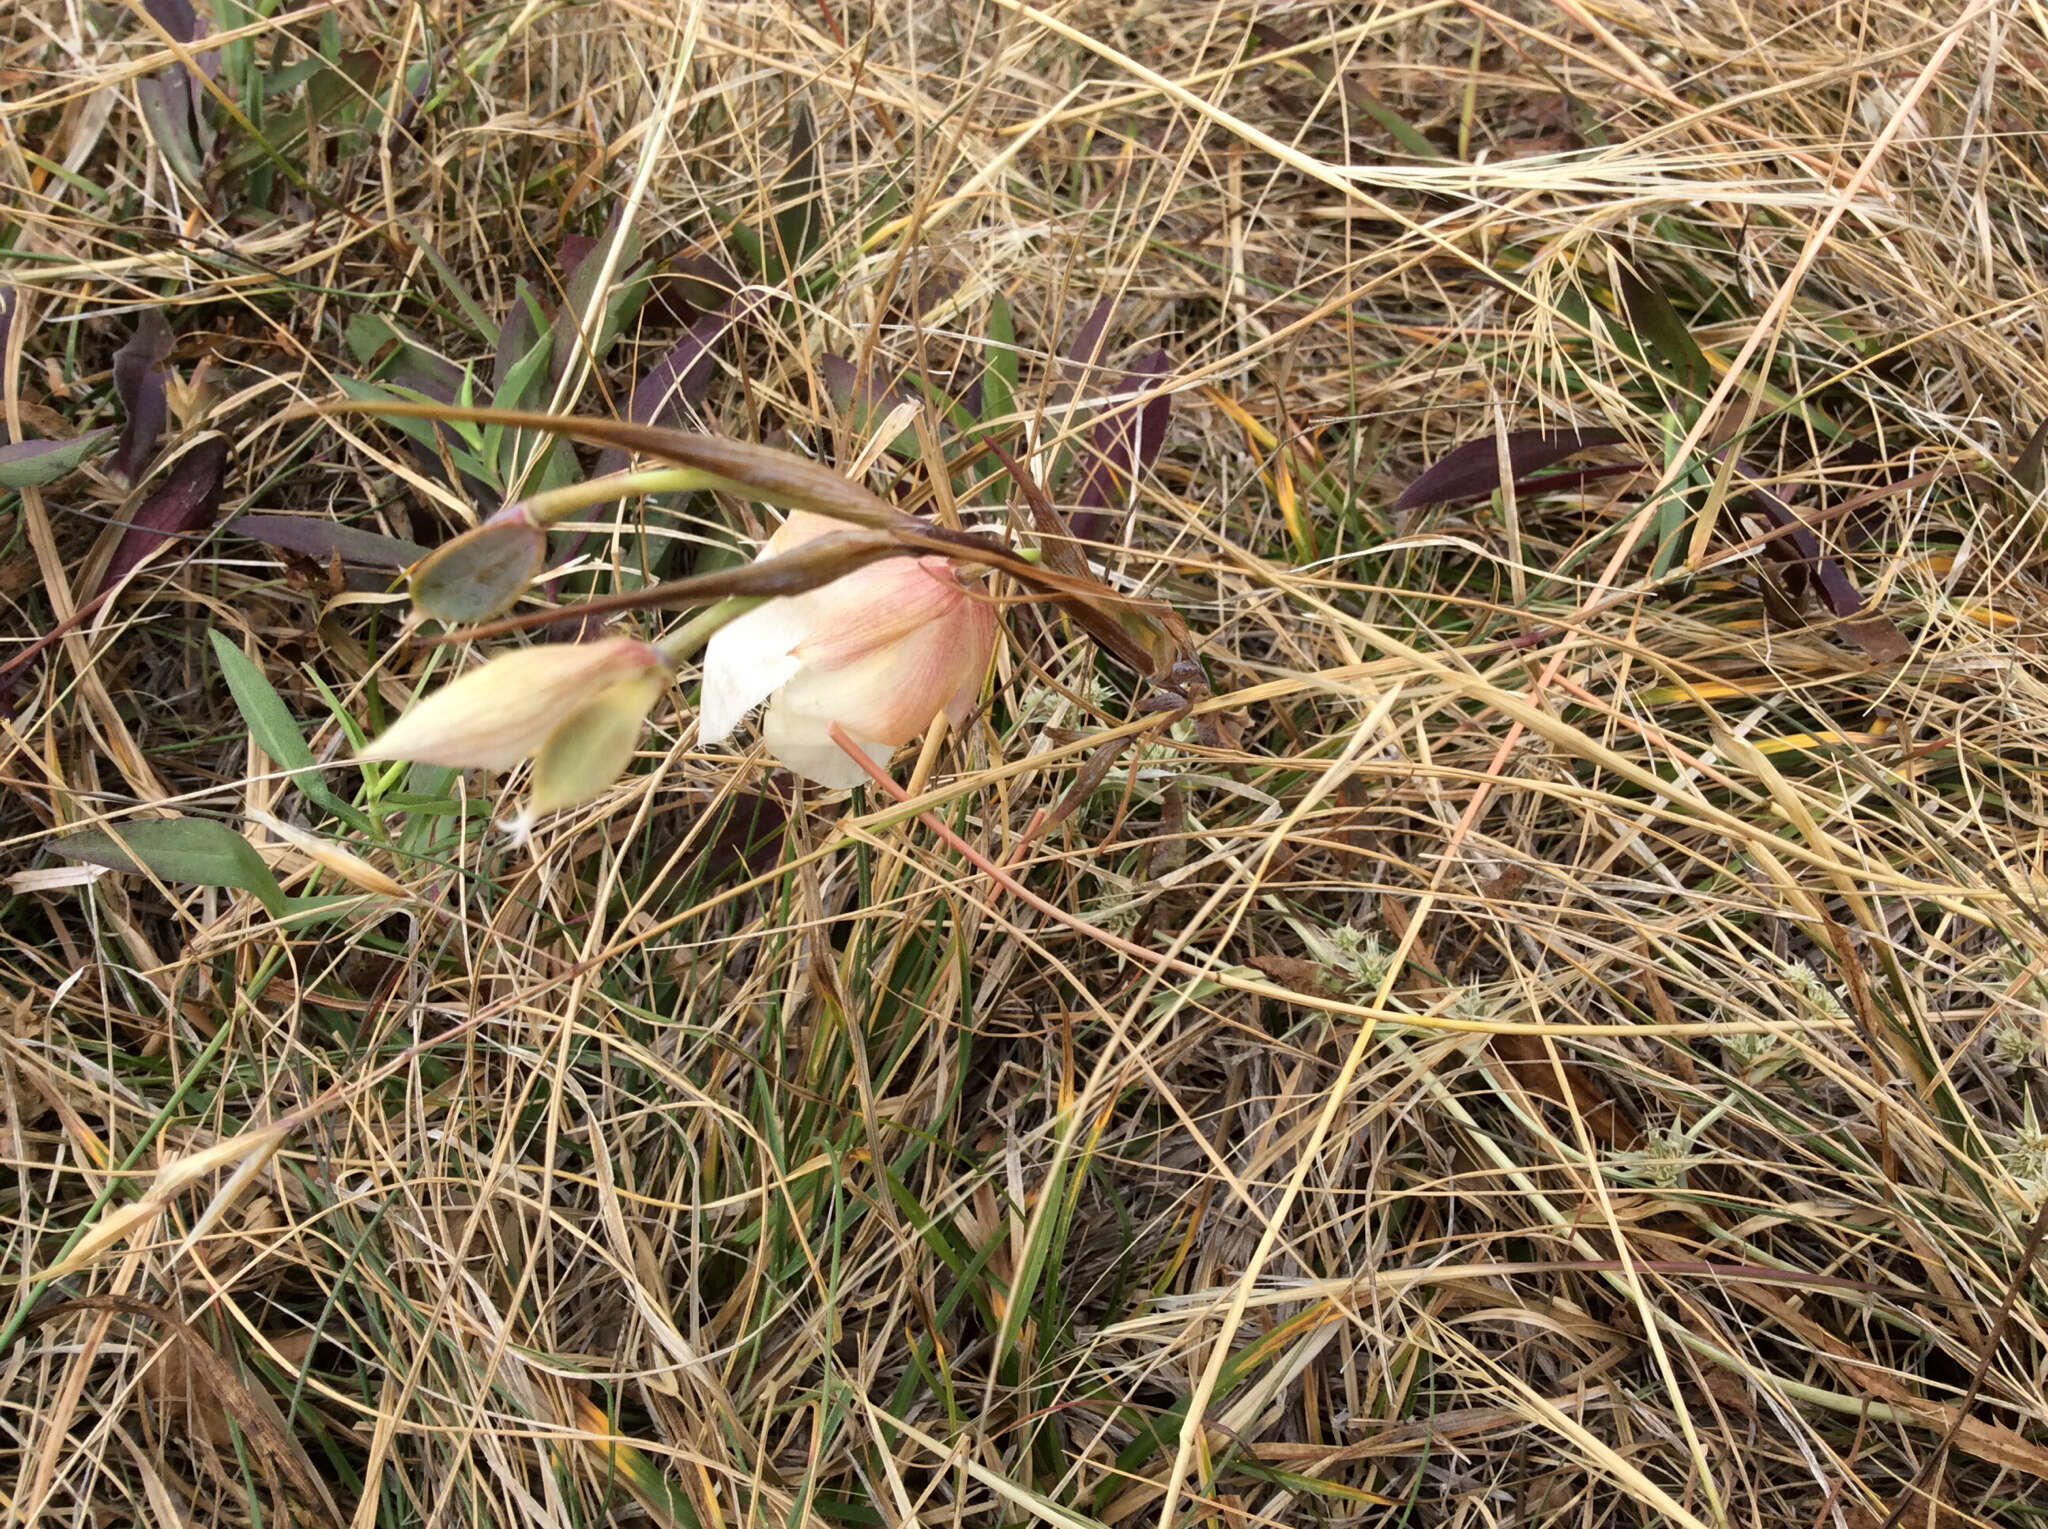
[893, 692]
[798, 527]
[747, 660]
[877, 606]
[503, 711]
[977, 636]
[803, 743]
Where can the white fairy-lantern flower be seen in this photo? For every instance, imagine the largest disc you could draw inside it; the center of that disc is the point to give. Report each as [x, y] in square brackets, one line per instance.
[575, 709]
[880, 651]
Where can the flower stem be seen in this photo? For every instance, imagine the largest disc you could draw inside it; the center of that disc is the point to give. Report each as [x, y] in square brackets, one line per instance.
[552, 506]
[686, 639]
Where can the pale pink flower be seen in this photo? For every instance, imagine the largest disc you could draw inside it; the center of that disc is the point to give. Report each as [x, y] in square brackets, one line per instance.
[880, 651]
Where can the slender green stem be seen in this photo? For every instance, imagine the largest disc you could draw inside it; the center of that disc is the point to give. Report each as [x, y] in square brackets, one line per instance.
[686, 639]
[552, 506]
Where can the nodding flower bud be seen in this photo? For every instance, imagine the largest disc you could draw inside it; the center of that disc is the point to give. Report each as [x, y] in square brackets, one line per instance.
[578, 707]
[880, 651]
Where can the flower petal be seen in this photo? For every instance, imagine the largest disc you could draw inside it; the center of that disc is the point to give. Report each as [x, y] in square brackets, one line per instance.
[501, 712]
[803, 743]
[977, 637]
[893, 692]
[798, 527]
[747, 660]
[878, 605]
[593, 746]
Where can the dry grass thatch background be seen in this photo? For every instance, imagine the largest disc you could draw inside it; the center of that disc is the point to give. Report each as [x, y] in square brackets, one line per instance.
[1558, 1041]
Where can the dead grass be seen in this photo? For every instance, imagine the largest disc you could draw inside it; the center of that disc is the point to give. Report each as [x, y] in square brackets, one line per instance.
[1556, 1041]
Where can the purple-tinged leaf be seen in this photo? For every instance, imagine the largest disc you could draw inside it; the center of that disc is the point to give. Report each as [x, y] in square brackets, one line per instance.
[1082, 354]
[166, 102]
[188, 502]
[1799, 550]
[176, 17]
[864, 404]
[934, 290]
[139, 379]
[702, 283]
[516, 336]
[628, 290]
[965, 388]
[682, 377]
[677, 381]
[174, 100]
[1854, 530]
[570, 254]
[1797, 547]
[1125, 434]
[1472, 471]
[322, 539]
[28, 464]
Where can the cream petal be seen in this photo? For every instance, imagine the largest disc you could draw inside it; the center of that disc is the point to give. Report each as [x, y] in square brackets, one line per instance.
[803, 743]
[502, 711]
[798, 527]
[593, 746]
[747, 660]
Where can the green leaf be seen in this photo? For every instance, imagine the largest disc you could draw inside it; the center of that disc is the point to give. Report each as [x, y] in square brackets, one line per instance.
[167, 112]
[1675, 509]
[312, 912]
[525, 387]
[999, 382]
[2031, 470]
[424, 431]
[797, 219]
[392, 355]
[276, 733]
[29, 464]
[291, 76]
[752, 255]
[1048, 1228]
[472, 310]
[194, 851]
[1661, 333]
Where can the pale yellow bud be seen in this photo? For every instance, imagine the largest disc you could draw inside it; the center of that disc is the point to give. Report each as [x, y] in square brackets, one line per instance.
[504, 711]
[593, 746]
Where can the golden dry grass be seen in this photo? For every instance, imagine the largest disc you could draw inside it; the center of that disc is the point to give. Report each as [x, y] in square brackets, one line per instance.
[1553, 1042]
